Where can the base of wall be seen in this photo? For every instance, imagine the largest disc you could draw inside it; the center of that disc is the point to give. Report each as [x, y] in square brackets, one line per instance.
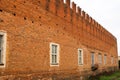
[85, 75]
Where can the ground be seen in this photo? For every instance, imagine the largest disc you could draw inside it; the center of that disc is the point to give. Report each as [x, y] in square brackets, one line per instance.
[107, 76]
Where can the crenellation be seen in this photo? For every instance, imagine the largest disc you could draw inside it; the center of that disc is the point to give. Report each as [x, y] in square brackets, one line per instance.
[61, 9]
[68, 2]
[74, 13]
[102, 34]
[74, 7]
[79, 11]
[95, 29]
[101, 28]
[98, 31]
[98, 27]
[97, 24]
[68, 11]
[83, 14]
[87, 18]
[90, 20]
[93, 22]
[77, 15]
[52, 6]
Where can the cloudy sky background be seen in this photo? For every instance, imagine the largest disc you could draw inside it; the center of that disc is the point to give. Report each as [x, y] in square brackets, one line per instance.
[105, 12]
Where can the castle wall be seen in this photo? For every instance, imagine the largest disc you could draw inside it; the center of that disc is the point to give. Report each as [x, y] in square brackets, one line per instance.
[33, 24]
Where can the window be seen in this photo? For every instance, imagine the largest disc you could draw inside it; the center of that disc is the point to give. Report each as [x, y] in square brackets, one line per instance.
[80, 56]
[100, 58]
[105, 59]
[1, 40]
[2, 48]
[54, 54]
[92, 59]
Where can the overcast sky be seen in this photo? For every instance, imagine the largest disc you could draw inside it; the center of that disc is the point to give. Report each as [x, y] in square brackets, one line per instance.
[105, 12]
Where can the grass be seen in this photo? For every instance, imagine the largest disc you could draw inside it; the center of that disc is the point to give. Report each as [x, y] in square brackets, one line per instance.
[107, 76]
[113, 76]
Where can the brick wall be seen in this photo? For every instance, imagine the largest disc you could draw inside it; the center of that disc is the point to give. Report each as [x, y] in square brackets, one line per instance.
[32, 25]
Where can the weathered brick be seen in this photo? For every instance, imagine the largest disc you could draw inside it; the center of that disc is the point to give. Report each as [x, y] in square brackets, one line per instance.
[31, 27]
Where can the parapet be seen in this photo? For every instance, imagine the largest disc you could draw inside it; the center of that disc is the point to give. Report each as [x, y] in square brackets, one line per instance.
[63, 9]
[81, 24]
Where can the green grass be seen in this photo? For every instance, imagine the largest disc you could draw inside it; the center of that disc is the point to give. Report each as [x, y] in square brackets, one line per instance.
[106, 76]
[114, 76]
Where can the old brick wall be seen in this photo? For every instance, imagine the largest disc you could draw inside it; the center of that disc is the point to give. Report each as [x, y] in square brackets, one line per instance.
[32, 25]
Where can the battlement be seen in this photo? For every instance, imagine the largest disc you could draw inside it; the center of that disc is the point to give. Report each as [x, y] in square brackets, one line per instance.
[66, 11]
[63, 9]
[69, 12]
